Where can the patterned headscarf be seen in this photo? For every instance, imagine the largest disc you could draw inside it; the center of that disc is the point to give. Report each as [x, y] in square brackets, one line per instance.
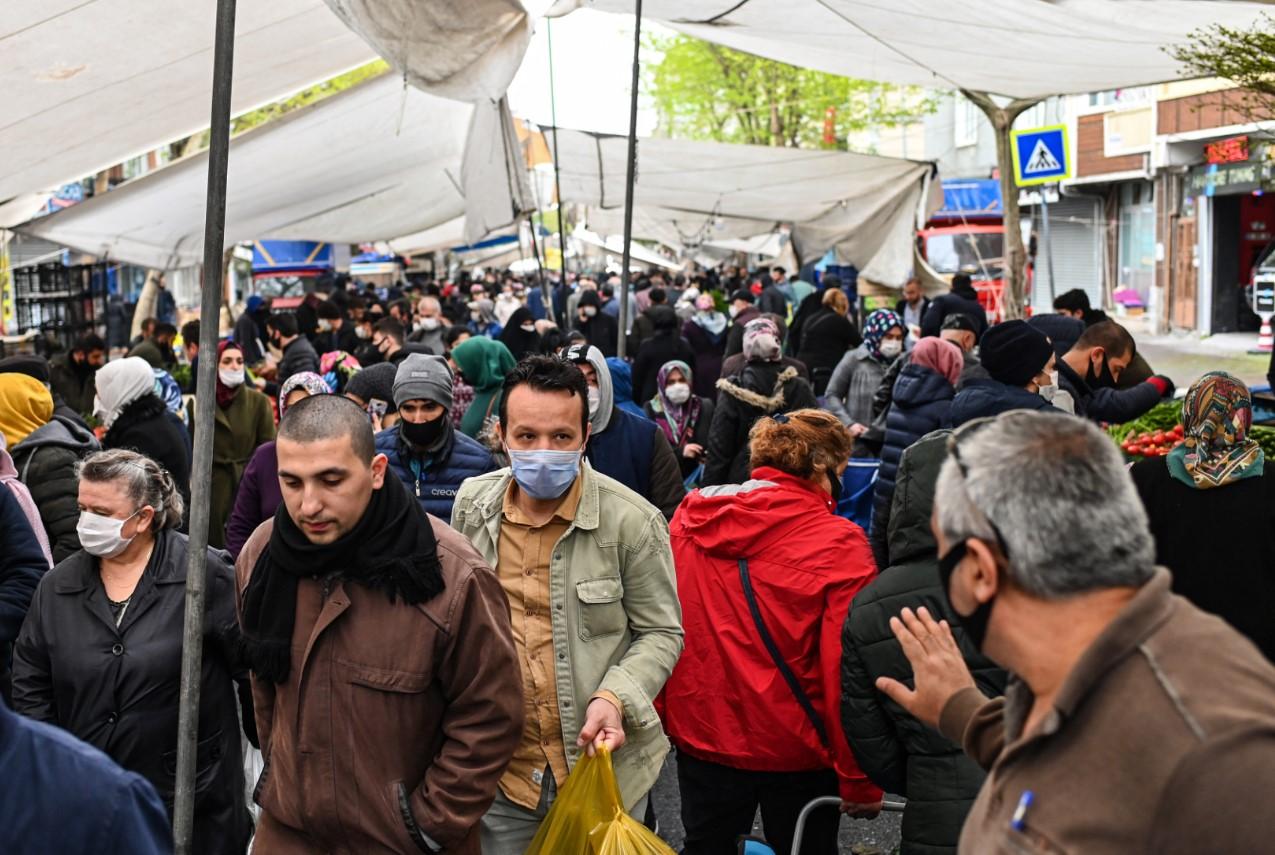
[308, 380]
[876, 326]
[761, 340]
[167, 390]
[337, 367]
[1216, 416]
[679, 419]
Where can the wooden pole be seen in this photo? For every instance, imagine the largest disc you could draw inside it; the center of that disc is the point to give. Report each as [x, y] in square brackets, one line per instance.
[201, 469]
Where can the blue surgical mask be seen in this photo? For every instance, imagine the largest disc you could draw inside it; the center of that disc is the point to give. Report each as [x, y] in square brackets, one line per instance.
[544, 473]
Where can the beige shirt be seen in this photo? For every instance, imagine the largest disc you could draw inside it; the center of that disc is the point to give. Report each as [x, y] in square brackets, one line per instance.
[1162, 739]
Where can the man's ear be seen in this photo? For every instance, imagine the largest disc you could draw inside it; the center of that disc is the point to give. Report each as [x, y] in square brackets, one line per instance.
[985, 582]
[380, 463]
[1096, 355]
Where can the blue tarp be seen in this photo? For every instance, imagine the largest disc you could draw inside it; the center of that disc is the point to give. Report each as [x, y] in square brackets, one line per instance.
[971, 198]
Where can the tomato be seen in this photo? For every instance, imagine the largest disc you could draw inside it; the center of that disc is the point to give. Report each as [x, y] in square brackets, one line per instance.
[1178, 429]
[1158, 436]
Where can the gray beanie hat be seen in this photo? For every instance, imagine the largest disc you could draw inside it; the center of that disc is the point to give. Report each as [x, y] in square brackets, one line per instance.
[423, 377]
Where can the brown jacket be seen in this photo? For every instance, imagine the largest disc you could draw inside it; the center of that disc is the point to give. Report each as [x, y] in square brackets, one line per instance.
[396, 722]
[1162, 739]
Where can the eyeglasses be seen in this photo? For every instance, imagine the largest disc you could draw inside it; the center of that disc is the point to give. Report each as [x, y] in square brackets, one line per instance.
[962, 433]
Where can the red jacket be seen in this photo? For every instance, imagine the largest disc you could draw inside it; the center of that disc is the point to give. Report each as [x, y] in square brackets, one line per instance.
[726, 702]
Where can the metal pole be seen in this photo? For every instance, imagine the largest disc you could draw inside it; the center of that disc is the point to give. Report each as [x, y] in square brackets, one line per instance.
[629, 180]
[557, 175]
[201, 470]
[1044, 233]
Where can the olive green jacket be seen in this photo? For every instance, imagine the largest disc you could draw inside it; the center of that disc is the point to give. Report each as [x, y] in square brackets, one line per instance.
[617, 622]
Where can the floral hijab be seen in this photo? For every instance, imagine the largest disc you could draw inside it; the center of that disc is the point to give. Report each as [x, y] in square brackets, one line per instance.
[337, 367]
[1216, 416]
[876, 326]
[308, 380]
[676, 420]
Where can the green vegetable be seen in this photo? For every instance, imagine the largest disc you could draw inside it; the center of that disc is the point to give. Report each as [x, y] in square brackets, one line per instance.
[1162, 416]
[1266, 439]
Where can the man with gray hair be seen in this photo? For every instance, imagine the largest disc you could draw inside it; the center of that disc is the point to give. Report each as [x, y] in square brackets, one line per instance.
[1135, 722]
[430, 326]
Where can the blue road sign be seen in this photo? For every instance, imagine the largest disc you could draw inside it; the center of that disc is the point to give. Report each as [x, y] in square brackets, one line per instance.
[1040, 155]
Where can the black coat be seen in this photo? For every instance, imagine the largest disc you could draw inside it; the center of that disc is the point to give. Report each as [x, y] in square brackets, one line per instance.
[117, 688]
[735, 330]
[896, 751]
[45, 461]
[761, 389]
[601, 330]
[708, 350]
[954, 303]
[146, 426]
[697, 435]
[826, 337]
[22, 564]
[664, 346]
[1106, 405]
[298, 356]
[1219, 543]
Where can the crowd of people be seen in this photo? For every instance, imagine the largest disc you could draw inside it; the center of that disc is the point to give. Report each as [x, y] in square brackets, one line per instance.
[456, 542]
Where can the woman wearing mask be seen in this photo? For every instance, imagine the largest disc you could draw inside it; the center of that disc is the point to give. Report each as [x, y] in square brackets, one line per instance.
[100, 651]
[665, 344]
[922, 402]
[771, 561]
[259, 495]
[520, 336]
[242, 421]
[482, 318]
[483, 362]
[857, 375]
[765, 387]
[684, 416]
[1217, 481]
[135, 418]
[706, 332]
[826, 336]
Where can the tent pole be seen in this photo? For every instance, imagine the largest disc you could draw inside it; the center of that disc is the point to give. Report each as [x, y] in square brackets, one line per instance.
[629, 180]
[557, 175]
[545, 290]
[1015, 265]
[201, 470]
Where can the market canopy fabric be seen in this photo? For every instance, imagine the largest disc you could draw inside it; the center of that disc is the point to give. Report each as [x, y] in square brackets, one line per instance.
[864, 207]
[366, 164]
[1017, 48]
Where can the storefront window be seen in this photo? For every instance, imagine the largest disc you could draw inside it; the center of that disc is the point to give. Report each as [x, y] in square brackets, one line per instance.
[1137, 238]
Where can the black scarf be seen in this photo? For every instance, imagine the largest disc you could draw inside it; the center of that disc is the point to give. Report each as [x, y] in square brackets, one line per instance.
[392, 548]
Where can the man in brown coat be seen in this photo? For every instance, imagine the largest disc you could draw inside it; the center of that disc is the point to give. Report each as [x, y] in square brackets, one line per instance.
[1135, 722]
[388, 696]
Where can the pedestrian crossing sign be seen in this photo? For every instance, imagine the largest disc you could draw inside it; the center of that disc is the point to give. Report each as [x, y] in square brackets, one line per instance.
[1040, 155]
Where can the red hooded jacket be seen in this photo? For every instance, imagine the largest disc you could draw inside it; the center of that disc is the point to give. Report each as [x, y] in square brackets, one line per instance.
[726, 702]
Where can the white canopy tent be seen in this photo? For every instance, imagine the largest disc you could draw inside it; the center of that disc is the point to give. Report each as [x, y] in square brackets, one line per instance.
[1017, 48]
[371, 162]
[864, 207]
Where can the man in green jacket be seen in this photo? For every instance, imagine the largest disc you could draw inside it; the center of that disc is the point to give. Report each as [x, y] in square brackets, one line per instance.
[588, 570]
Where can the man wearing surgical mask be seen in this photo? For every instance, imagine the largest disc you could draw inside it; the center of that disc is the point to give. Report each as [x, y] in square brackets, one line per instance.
[424, 450]
[587, 568]
[430, 326]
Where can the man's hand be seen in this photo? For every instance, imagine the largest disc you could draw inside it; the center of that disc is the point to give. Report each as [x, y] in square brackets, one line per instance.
[937, 666]
[857, 430]
[602, 727]
[860, 810]
[693, 450]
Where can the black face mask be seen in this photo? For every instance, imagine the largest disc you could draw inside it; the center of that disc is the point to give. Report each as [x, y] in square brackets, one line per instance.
[422, 434]
[975, 623]
[1101, 380]
[834, 484]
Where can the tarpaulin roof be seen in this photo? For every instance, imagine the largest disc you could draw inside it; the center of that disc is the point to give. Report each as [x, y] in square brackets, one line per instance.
[369, 163]
[861, 205]
[1018, 48]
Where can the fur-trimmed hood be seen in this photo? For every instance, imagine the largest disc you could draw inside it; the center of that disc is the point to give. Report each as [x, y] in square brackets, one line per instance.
[767, 403]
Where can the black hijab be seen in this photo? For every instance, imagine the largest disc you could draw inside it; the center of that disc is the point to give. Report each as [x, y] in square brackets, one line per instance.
[520, 342]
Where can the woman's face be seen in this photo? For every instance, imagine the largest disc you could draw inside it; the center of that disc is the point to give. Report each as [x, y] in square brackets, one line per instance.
[675, 376]
[231, 359]
[110, 499]
[893, 334]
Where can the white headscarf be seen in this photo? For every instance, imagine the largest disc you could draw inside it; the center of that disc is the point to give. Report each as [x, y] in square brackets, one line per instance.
[119, 384]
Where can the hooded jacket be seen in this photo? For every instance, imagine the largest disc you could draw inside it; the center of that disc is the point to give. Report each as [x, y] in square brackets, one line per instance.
[622, 386]
[982, 398]
[631, 449]
[761, 389]
[45, 461]
[146, 426]
[899, 753]
[726, 702]
[435, 476]
[10, 482]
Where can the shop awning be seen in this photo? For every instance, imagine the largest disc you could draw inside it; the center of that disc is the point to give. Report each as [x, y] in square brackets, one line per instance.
[1017, 48]
[366, 164]
[862, 206]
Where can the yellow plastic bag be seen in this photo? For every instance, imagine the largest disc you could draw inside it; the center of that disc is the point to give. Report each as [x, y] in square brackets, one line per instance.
[588, 818]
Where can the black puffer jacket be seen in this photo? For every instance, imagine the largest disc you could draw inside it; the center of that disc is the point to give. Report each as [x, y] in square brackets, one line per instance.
[761, 389]
[45, 461]
[897, 752]
[146, 426]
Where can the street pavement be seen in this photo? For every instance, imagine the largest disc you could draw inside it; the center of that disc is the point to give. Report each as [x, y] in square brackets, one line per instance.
[858, 837]
[1184, 357]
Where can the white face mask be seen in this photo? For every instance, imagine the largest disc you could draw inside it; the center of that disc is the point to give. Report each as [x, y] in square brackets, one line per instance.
[891, 348]
[734, 310]
[595, 398]
[589, 311]
[362, 332]
[325, 325]
[678, 393]
[528, 328]
[100, 536]
[231, 378]
[429, 324]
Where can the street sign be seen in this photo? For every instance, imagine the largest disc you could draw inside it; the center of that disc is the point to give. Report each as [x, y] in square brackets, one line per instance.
[1040, 155]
